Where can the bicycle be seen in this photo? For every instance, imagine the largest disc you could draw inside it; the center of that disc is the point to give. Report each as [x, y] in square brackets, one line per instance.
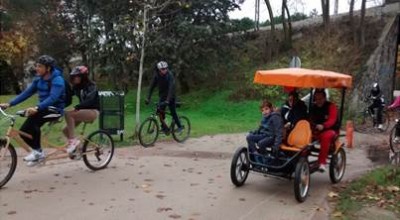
[366, 121]
[96, 151]
[394, 139]
[150, 128]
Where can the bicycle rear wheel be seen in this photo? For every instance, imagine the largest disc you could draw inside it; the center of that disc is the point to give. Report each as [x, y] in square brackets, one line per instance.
[148, 132]
[8, 163]
[394, 142]
[98, 150]
[184, 134]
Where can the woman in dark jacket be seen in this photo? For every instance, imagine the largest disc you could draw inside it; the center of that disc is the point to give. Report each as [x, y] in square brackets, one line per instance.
[293, 111]
[88, 108]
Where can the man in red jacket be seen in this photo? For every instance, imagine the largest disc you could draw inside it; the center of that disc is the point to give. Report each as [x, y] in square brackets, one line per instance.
[324, 115]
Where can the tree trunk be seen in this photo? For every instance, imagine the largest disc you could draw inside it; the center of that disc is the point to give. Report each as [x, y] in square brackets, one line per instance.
[352, 23]
[362, 28]
[284, 24]
[142, 54]
[270, 44]
[289, 21]
[325, 12]
[336, 9]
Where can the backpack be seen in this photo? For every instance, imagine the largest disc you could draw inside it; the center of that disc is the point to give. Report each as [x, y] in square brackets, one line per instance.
[68, 93]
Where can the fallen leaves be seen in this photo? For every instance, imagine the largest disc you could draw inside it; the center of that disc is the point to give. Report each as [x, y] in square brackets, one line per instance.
[11, 213]
[337, 214]
[393, 189]
[175, 216]
[162, 209]
[333, 195]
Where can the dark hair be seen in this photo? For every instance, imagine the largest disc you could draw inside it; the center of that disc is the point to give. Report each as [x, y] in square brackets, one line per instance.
[294, 94]
[85, 81]
[320, 91]
[266, 103]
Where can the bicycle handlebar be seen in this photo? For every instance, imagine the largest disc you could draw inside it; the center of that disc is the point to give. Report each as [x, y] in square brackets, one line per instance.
[22, 113]
[5, 114]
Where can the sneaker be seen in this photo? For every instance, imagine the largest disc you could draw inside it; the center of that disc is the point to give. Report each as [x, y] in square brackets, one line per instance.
[165, 131]
[380, 126]
[179, 129]
[72, 145]
[35, 155]
[34, 163]
[322, 168]
[396, 140]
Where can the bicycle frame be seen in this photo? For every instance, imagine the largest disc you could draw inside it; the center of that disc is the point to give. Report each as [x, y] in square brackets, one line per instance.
[157, 115]
[59, 151]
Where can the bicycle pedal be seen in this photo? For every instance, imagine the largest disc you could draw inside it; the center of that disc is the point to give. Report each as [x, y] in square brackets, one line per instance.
[75, 156]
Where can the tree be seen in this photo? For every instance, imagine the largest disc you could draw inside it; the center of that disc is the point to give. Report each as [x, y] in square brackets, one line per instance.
[313, 13]
[270, 41]
[325, 12]
[351, 15]
[243, 24]
[361, 34]
[287, 24]
[336, 9]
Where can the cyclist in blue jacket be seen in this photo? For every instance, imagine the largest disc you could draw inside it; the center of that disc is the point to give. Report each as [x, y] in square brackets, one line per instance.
[50, 87]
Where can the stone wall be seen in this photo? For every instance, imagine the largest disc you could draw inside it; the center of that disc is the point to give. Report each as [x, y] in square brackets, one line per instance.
[391, 1]
[380, 67]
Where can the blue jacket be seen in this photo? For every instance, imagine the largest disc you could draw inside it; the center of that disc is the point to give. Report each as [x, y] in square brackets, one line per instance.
[272, 127]
[53, 96]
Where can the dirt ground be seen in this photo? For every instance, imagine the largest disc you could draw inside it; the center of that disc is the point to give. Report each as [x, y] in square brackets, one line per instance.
[169, 181]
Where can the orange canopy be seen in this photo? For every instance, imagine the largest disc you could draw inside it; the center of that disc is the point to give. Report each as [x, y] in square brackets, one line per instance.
[299, 77]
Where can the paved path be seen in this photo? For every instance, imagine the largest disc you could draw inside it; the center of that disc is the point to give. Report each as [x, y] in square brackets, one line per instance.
[168, 181]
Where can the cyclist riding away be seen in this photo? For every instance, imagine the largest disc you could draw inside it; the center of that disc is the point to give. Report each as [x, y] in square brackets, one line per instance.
[88, 108]
[324, 115]
[164, 79]
[378, 103]
[49, 84]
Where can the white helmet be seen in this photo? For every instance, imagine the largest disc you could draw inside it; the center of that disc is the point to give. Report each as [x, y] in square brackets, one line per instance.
[162, 65]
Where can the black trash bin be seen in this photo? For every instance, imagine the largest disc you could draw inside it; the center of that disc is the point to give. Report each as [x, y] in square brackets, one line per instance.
[112, 112]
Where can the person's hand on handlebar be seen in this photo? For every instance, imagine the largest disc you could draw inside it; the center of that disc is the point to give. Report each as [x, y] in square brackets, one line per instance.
[319, 127]
[31, 111]
[4, 105]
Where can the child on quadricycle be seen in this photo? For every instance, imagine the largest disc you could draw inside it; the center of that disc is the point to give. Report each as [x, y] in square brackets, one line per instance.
[269, 133]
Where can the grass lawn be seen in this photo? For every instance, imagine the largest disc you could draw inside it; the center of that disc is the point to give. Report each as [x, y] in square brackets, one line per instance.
[379, 188]
[209, 112]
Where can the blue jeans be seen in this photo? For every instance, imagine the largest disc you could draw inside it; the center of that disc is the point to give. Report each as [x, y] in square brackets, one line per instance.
[262, 141]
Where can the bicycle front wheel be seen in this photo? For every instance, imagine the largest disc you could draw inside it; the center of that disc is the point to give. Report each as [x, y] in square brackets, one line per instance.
[394, 141]
[8, 163]
[184, 134]
[148, 132]
[98, 150]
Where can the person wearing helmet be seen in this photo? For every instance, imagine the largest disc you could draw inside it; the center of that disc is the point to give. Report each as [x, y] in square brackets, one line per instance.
[378, 103]
[88, 108]
[164, 79]
[49, 84]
